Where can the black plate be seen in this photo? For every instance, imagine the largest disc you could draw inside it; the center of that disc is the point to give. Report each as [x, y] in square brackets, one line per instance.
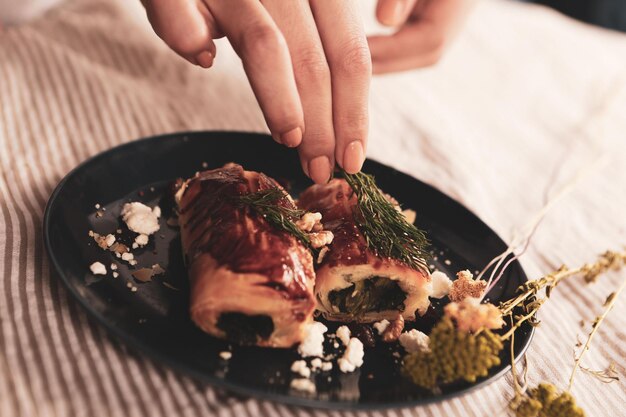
[154, 319]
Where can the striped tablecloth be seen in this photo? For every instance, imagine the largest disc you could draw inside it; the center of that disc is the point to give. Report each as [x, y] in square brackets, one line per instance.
[524, 98]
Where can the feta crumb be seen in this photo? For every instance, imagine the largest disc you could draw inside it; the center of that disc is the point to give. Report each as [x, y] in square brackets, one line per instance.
[441, 284]
[335, 345]
[97, 206]
[352, 357]
[109, 240]
[226, 355]
[134, 289]
[303, 384]
[343, 333]
[414, 341]
[316, 363]
[127, 256]
[115, 274]
[141, 240]
[98, 268]
[313, 343]
[134, 245]
[300, 367]
[381, 326]
[140, 218]
[113, 267]
[327, 366]
[447, 262]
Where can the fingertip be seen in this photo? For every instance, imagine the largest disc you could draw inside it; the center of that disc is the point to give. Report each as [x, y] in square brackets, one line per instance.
[353, 157]
[319, 169]
[291, 138]
[204, 59]
[391, 12]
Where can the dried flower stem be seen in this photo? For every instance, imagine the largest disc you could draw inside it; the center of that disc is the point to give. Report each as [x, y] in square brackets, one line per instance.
[596, 324]
[516, 384]
[521, 239]
[521, 320]
[531, 288]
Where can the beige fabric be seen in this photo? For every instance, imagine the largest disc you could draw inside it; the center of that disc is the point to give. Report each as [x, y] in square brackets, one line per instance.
[524, 98]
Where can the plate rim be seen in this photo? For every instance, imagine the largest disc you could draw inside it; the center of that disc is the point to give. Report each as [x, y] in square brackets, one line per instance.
[215, 382]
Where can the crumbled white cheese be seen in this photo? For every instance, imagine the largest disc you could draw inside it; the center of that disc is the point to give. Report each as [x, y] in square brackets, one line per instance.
[127, 256]
[343, 333]
[299, 367]
[98, 268]
[313, 343]
[226, 355]
[140, 218]
[109, 239]
[316, 363]
[303, 384]
[381, 326]
[414, 341]
[352, 357]
[327, 366]
[115, 274]
[441, 284]
[97, 206]
[113, 267]
[141, 240]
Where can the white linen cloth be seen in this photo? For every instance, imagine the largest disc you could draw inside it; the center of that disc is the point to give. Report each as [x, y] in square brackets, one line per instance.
[523, 99]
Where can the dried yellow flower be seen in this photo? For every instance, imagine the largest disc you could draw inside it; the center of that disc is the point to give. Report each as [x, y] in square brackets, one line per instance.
[453, 355]
[466, 286]
[545, 401]
[471, 316]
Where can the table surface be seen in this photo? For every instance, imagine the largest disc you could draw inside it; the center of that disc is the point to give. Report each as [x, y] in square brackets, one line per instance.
[523, 100]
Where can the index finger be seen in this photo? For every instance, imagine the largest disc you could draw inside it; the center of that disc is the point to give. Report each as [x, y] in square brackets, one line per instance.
[263, 51]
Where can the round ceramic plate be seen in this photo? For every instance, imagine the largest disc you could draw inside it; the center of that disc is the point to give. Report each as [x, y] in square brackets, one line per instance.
[154, 319]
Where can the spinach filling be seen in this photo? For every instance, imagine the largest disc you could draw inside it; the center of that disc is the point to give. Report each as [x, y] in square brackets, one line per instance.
[371, 294]
[245, 329]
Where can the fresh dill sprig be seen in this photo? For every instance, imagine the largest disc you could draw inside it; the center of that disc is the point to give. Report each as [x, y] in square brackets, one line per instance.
[385, 229]
[267, 203]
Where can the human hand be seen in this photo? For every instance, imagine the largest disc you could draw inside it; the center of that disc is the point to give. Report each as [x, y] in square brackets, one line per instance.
[426, 27]
[308, 63]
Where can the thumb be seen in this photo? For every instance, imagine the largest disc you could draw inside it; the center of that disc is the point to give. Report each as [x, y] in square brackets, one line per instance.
[394, 12]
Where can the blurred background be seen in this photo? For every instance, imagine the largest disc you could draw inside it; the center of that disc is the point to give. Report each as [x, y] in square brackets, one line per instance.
[608, 13]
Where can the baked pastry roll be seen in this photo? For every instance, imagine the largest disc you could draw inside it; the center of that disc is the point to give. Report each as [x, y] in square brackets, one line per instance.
[353, 283]
[251, 282]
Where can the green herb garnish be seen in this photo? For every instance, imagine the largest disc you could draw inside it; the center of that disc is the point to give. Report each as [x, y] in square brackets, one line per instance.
[385, 229]
[266, 203]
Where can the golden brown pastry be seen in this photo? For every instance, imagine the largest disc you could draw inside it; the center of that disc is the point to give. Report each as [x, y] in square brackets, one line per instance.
[353, 283]
[251, 282]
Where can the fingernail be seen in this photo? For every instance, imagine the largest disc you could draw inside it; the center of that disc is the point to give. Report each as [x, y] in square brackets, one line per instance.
[205, 59]
[291, 138]
[319, 169]
[353, 157]
[395, 13]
